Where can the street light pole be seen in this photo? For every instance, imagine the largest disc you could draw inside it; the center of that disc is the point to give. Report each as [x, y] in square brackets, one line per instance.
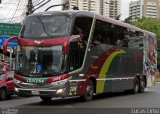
[29, 8]
[65, 6]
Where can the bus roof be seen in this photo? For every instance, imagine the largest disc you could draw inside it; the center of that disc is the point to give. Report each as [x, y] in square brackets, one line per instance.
[70, 12]
[100, 17]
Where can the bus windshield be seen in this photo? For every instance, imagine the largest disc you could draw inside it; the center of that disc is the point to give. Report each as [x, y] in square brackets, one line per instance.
[45, 26]
[40, 60]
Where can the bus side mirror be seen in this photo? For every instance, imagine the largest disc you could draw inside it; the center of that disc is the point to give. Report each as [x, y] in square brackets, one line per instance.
[6, 43]
[9, 79]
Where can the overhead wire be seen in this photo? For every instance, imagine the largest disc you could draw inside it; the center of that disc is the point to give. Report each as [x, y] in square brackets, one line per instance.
[14, 8]
[22, 15]
[15, 11]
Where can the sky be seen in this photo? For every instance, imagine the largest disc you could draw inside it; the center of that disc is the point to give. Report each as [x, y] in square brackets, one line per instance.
[125, 8]
[7, 9]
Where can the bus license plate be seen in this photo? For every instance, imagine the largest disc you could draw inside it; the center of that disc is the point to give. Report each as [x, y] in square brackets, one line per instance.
[35, 92]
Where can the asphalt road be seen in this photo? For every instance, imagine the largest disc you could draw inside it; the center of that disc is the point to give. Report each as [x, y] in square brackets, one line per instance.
[120, 101]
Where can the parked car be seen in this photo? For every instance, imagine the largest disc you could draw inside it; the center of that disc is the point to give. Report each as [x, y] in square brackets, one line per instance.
[6, 81]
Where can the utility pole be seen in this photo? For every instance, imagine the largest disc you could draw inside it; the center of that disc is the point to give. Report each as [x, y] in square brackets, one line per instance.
[66, 6]
[29, 8]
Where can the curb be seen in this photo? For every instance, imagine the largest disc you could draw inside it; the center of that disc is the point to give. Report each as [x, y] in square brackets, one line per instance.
[157, 79]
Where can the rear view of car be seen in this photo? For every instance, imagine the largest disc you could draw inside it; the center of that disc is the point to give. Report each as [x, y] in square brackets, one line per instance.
[6, 82]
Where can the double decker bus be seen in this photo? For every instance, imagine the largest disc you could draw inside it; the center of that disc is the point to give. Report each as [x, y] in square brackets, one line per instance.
[78, 53]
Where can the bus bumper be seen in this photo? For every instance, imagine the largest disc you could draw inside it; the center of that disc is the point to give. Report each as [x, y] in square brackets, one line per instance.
[62, 91]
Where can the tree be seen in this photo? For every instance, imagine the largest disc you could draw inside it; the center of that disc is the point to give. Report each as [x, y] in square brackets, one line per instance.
[152, 25]
[128, 20]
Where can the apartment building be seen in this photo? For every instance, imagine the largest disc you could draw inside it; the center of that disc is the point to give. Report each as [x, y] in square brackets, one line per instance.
[144, 8]
[108, 8]
[115, 7]
[86, 5]
[105, 7]
[151, 8]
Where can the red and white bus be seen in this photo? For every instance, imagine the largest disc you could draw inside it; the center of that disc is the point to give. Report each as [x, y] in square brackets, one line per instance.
[78, 53]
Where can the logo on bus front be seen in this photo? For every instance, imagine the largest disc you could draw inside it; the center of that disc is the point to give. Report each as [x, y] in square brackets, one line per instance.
[35, 80]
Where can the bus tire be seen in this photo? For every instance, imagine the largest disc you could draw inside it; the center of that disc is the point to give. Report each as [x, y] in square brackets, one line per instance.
[46, 99]
[142, 85]
[88, 94]
[136, 86]
[3, 94]
[8, 96]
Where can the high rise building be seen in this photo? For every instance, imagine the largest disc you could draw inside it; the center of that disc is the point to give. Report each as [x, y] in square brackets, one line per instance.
[105, 7]
[144, 8]
[151, 8]
[86, 5]
[108, 8]
[115, 7]
[135, 9]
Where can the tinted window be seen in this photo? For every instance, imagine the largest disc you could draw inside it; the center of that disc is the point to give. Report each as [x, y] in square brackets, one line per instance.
[82, 25]
[111, 34]
[135, 39]
[45, 26]
[101, 33]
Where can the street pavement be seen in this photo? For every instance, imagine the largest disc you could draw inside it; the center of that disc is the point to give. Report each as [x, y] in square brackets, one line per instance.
[120, 101]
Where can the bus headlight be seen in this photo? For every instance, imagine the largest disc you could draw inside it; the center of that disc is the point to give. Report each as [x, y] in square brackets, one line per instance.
[16, 90]
[16, 81]
[60, 91]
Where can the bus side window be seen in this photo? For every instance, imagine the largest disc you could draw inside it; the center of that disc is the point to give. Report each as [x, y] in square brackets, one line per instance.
[100, 33]
[82, 25]
[135, 39]
[76, 55]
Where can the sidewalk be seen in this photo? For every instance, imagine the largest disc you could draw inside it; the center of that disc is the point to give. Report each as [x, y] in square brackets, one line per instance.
[158, 77]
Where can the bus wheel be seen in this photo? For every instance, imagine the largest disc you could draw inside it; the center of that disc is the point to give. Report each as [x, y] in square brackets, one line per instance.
[136, 86]
[46, 99]
[88, 95]
[8, 96]
[142, 85]
[3, 94]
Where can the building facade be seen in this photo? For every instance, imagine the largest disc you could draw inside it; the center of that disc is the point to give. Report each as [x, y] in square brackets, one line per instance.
[144, 8]
[151, 8]
[86, 5]
[115, 7]
[108, 8]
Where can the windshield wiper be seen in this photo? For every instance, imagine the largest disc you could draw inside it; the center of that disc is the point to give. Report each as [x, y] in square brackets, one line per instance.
[44, 27]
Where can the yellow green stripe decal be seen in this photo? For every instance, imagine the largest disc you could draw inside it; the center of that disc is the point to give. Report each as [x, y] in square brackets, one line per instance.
[105, 67]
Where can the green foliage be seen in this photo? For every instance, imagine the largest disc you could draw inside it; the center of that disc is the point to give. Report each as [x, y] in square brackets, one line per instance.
[128, 20]
[152, 25]
[159, 56]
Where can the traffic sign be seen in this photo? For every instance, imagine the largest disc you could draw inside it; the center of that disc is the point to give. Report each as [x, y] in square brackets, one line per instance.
[12, 43]
[9, 29]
